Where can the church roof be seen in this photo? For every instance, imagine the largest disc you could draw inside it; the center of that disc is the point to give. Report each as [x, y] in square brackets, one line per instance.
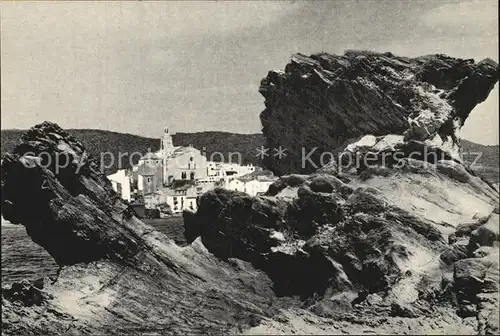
[180, 150]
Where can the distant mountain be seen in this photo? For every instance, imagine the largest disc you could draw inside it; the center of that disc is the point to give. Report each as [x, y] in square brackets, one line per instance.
[132, 147]
[213, 144]
[484, 159]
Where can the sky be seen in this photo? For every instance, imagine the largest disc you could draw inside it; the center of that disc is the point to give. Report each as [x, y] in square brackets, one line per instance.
[138, 66]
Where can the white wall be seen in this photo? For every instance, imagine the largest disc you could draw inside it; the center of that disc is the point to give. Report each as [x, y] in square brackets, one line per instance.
[183, 203]
[252, 187]
[183, 163]
[121, 177]
[140, 183]
[235, 184]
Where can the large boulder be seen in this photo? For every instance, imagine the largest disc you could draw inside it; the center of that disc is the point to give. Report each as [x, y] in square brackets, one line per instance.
[321, 102]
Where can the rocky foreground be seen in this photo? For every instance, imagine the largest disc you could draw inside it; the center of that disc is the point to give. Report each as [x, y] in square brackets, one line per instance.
[404, 239]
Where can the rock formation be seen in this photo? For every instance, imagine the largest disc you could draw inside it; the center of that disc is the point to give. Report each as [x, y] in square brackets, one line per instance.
[322, 102]
[395, 225]
[394, 236]
[118, 275]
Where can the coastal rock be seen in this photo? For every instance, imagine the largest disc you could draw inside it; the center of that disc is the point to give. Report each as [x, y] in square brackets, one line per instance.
[345, 249]
[118, 275]
[320, 103]
[486, 234]
[332, 241]
[381, 226]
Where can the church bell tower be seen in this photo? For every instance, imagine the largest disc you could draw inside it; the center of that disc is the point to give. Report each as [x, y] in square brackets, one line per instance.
[167, 147]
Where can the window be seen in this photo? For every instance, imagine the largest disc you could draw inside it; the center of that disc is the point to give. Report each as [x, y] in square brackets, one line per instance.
[149, 179]
[183, 175]
[191, 158]
[192, 176]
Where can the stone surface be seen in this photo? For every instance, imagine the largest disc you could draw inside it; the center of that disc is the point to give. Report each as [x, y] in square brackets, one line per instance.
[321, 102]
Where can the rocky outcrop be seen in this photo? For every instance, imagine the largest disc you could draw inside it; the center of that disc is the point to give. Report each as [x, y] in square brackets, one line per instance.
[118, 275]
[394, 236]
[341, 240]
[396, 226]
[322, 102]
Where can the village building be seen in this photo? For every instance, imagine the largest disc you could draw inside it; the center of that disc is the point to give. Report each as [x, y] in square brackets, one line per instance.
[236, 170]
[121, 182]
[236, 184]
[251, 184]
[149, 174]
[181, 195]
[175, 176]
[180, 163]
[258, 185]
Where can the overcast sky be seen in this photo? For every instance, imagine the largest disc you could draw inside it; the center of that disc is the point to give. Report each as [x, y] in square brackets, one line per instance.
[138, 66]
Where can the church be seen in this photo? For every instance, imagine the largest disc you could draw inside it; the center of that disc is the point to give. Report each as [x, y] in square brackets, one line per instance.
[181, 163]
[177, 163]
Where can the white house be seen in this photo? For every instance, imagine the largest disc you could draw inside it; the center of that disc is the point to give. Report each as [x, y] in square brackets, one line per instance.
[236, 184]
[236, 170]
[149, 174]
[121, 183]
[182, 197]
[258, 186]
[252, 186]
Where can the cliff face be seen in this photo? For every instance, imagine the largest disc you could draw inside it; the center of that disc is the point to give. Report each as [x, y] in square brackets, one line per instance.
[392, 227]
[322, 102]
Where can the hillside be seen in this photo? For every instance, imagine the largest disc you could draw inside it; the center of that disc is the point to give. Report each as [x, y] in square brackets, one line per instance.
[100, 141]
[486, 157]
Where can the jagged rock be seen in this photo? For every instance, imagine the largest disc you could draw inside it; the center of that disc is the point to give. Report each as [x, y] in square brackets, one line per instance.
[477, 284]
[486, 234]
[326, 241]
[454, 253]
[321, 102]
[351, 239]
[465, 229]
[118, 275]
[66, 193]
[289, 181]
[25, 292]
[398, 309]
